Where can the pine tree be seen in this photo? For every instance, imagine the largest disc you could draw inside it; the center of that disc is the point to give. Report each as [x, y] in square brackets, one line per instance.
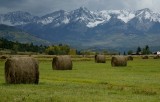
[138, 50]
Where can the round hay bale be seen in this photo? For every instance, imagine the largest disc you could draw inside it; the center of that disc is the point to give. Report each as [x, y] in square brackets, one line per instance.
[62, 63]
[145, 57]
[21, 70]
[130, 58]
[100, 59]
[118, 61]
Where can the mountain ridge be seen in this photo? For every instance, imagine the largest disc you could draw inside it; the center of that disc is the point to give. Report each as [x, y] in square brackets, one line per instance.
[82, 27]
[104, 15]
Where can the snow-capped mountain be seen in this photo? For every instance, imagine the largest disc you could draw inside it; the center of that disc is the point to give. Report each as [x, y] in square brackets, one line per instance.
[53, 17]
[17, 18]
[147, 14]
[82, 15]
[94, 27]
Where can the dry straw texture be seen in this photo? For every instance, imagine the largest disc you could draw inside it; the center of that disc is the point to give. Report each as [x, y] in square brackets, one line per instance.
[118, 61]
[100, 59]
[62, 63]
[21, 70]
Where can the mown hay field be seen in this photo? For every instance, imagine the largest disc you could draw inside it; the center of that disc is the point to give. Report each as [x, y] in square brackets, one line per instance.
[88, 82]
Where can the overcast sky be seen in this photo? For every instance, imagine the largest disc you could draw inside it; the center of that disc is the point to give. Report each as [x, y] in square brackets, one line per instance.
[40, 7]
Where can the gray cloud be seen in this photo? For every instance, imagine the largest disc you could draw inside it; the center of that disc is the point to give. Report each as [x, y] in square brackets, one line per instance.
[39, 7]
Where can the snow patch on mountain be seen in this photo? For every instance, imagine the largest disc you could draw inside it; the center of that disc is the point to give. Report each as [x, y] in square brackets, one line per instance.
[47, 20]
[126, 16]
[105, 15]
[66, 20]
[94, 24]
[80, 18]
[147, 14]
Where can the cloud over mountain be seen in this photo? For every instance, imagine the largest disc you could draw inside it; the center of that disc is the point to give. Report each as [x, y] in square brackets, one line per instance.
[41, 7]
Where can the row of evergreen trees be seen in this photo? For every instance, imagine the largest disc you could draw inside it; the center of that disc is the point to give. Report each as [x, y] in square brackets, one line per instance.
[144, 51]
[54, 49]
[140, 51]
[19, 47]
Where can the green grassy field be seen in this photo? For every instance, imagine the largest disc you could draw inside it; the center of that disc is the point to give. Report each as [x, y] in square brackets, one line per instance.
[89, 82]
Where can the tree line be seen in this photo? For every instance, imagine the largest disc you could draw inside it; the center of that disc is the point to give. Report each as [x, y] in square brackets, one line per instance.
[57, 49]
[141, 51]
[30, 47]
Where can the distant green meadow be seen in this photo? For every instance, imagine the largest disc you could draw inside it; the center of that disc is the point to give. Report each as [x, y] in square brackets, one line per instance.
[88, 82]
